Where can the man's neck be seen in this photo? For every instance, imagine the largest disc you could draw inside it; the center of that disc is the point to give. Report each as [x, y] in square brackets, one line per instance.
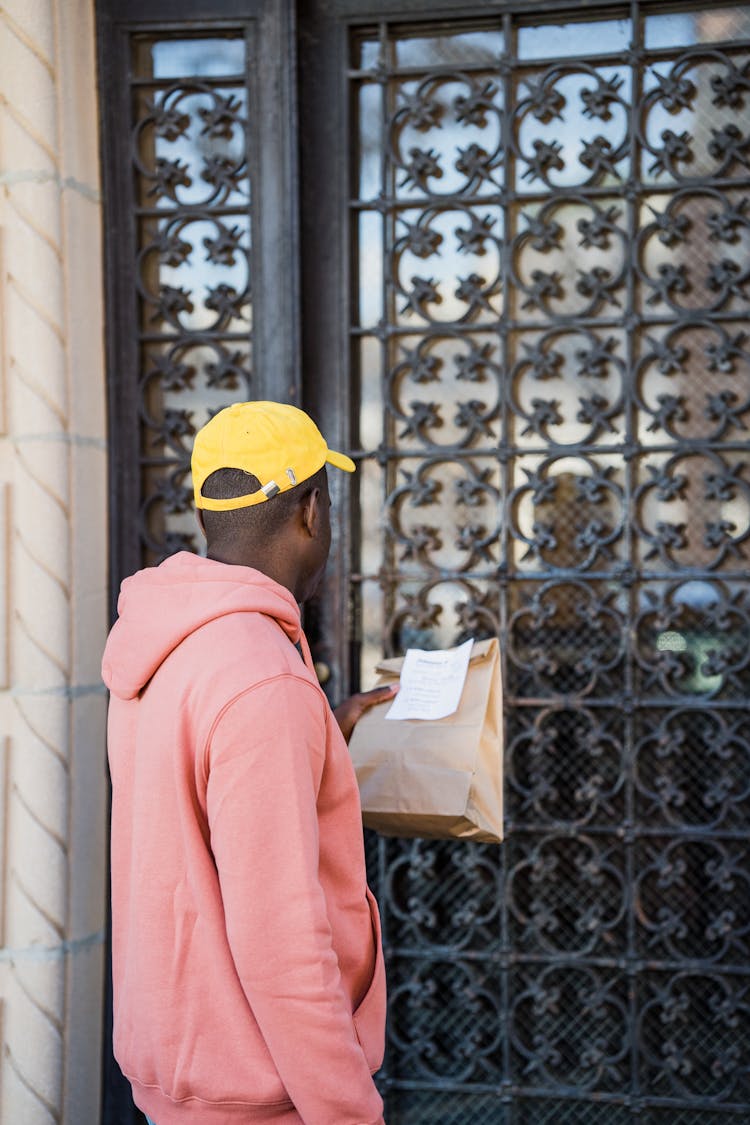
[274, 568]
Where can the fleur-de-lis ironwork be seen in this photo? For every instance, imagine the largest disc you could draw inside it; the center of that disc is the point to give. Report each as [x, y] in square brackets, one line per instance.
[546, 158]
[474, 162]
[675, 92]
[168, 175]
[169, 121]
[726, 225]
[228, 370]
[598, 102]
[730, 87]
[423, 165]
[472, 239]
[221, 117]
[221, 172]
[424, 416]
[675, 148]
[422, 366]
[471, 108]
[424, 291]
[545, 101]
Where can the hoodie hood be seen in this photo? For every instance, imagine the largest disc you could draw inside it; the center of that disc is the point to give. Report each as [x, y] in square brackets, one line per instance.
[160, 606]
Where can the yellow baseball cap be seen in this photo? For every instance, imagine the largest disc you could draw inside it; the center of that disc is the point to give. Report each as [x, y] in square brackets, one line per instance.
[278, 443]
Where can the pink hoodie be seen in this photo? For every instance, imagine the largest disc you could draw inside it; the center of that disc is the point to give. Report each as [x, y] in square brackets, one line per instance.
[248, 971]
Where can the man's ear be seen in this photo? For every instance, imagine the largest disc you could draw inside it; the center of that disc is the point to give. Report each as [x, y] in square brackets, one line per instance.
[311, 513]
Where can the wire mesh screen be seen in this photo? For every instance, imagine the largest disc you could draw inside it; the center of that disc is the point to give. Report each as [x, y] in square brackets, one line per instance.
[550, 227]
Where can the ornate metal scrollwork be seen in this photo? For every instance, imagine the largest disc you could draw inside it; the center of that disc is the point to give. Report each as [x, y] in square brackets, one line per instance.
[189, 156]
[694, 1027]
[570, 1026]
[693, 769]
[429, 1047]
[566, 769]
[565, 638]
[567, 895]
[565, 409]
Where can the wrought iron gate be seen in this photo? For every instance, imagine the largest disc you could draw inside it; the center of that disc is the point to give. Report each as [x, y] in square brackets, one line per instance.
[524, 258]
[550, 389]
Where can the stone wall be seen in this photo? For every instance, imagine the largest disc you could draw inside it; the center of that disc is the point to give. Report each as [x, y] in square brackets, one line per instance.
[53, 570]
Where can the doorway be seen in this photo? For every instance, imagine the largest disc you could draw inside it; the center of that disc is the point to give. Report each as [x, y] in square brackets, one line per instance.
[500, 251]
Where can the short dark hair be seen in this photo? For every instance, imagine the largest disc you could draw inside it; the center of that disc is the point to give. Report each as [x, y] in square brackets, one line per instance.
[260, 521]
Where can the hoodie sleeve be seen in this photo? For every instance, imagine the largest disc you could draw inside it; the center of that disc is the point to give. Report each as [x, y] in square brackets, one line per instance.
[267, 753]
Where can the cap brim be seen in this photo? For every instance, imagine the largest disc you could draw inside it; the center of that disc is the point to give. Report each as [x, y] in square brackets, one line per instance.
[341, 461]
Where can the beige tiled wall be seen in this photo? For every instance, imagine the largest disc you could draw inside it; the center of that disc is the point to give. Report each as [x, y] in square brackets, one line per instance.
[52, 568]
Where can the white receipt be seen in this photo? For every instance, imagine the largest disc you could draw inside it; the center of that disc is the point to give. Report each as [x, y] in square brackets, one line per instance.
[431, 683]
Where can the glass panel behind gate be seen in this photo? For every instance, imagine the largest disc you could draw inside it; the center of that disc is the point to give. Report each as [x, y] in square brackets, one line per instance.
[551, 228]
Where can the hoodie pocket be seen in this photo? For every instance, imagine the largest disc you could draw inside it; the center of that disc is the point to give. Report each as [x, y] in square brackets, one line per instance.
[369, 1017]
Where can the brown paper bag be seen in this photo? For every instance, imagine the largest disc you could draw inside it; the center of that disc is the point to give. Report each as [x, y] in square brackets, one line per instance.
[441, 778]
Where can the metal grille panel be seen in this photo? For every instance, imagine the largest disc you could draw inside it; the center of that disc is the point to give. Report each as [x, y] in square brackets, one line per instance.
[551, 232]
[190, 157]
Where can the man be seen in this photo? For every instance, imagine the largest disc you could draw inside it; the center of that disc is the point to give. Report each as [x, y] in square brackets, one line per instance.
[247, 963]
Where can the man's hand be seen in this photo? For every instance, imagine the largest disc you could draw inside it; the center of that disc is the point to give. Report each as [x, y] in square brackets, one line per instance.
[351, 710]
